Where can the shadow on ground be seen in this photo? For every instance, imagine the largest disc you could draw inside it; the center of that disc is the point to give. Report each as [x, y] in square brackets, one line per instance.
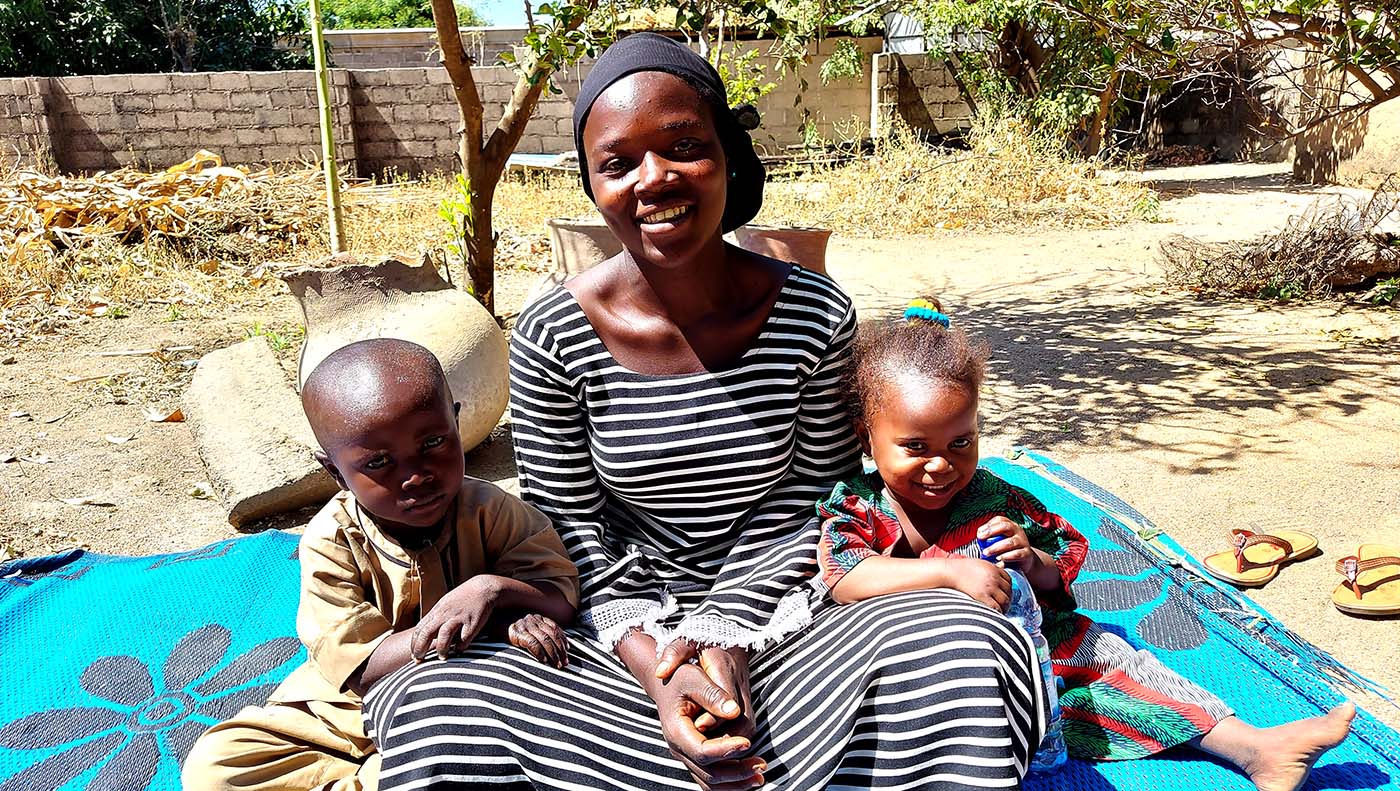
[1074, 368]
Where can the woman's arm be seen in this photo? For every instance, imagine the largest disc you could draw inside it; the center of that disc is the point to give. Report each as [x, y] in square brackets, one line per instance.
[761, 594]
[557, 476]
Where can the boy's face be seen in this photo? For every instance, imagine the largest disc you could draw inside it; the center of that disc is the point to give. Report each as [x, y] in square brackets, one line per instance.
[923, 438]
[401, 457]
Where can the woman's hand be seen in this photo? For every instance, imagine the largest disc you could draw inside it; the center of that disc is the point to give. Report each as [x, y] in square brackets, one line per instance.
[717, 762]
[541, 638]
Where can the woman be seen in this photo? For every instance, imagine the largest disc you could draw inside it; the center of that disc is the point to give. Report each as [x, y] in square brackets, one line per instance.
[676, 413]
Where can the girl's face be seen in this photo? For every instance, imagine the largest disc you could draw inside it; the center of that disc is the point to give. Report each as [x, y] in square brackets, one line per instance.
[656, 167]
[923, 438]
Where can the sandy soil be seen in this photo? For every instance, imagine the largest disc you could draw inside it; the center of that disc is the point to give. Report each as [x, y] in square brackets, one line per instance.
[1203, 414]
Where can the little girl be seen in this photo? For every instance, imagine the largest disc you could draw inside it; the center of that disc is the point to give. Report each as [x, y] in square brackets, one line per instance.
[915, 522]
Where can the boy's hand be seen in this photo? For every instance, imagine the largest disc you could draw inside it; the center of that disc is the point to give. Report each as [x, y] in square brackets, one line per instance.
[455, 620]
[983, 581]
[541, 638]
[1013, 548]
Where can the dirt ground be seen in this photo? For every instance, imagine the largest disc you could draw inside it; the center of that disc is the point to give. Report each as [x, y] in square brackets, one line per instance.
[1202, 414]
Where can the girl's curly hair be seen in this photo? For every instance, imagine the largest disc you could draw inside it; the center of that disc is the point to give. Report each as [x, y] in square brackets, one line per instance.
[942, 354]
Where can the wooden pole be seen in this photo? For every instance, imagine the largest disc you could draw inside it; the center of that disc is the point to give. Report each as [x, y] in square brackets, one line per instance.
[323, 102]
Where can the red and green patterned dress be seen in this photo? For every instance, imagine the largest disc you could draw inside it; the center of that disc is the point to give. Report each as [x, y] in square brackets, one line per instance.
[1119, 702]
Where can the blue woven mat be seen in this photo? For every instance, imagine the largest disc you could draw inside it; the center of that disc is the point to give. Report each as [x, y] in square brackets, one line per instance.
[112, 666]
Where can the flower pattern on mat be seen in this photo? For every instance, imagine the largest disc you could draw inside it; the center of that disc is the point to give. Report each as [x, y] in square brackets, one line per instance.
[139, 720]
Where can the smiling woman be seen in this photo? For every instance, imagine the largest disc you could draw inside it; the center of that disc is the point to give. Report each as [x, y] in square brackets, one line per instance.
[677, 412]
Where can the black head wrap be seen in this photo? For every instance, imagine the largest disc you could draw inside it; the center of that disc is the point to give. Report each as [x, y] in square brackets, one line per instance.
[653, 52]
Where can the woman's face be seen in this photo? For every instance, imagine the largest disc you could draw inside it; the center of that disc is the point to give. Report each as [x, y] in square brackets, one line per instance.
[656, 167]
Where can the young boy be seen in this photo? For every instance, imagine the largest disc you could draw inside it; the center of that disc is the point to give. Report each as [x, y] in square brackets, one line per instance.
[410, 560]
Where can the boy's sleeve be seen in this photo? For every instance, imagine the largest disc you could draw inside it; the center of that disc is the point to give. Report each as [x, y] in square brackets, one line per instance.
[336, 620]
[521, 544]
[1054, 536]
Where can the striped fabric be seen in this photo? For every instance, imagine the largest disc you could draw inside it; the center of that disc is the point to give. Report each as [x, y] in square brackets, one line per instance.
[686, 502]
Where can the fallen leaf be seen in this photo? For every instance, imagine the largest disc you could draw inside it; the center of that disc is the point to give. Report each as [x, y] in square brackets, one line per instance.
[8, 361]
[6, 458]
[201, 491]
[57, 418]
[119, 440]
[155, 415]
[88, 500]
[19, 413]
[37, 458]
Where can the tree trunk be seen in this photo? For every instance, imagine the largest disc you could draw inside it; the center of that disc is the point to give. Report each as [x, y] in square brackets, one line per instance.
[481, 249]
[1098, 124]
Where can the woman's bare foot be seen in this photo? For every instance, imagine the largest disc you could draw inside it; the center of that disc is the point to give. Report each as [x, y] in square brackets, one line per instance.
[1285, 754]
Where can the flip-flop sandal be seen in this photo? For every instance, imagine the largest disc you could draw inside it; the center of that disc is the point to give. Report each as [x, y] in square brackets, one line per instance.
[1254, 558]
[1372, 584]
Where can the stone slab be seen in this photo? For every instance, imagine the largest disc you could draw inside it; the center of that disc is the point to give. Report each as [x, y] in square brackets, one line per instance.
[250, 431]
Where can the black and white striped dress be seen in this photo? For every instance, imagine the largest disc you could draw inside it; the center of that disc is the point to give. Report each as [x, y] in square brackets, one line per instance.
[686, 502]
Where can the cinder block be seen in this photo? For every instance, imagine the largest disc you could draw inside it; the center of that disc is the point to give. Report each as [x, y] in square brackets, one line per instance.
[132, 103]
[165, 102]
[305, 116]
[447, 112]
[373, 131]
[410, 113]
[248, 99]
[407, 77]
[194, 119]
[553, 144]
[111, 83]
[93, 105]
[218, 136]
[296, 135]
[228, 81]
[272, 117]
[150, 83]
[266, 80]
[209, 100]
[366, 78]
[381, 150]
[255, 136]
[189, 82]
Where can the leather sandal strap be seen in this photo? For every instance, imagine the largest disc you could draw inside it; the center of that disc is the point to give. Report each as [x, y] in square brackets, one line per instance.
[1351, 567]
[1242, 539]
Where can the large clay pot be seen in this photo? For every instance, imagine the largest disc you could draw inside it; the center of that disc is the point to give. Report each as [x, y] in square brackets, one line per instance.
[394, 299]
[806, 246]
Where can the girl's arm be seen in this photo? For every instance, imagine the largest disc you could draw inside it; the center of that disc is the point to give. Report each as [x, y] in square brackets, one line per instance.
[878, 575]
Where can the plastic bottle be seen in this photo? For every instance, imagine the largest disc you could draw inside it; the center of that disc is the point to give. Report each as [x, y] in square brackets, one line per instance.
[1024, 611]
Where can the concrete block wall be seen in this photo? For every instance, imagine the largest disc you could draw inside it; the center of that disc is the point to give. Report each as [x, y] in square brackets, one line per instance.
[386, 120]
[921, 91]
[25, 139]
[414, 46]
[155, 120]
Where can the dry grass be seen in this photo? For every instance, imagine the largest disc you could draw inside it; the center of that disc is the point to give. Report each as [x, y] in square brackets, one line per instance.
[228, 246]
[1010, 178]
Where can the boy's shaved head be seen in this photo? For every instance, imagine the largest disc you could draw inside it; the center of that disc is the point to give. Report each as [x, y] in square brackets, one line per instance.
[364, 378]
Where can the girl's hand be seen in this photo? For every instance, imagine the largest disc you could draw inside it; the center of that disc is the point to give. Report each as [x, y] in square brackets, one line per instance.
[541, 638]
[1014, 548]
[716, 763]
[985, 582]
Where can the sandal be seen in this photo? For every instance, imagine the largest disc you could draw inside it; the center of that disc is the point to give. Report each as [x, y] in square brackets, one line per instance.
[1372, 584]
[1254, 558]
